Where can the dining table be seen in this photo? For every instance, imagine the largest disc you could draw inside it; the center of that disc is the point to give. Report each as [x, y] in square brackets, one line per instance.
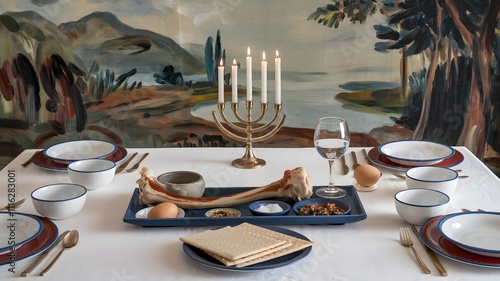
[369, 249]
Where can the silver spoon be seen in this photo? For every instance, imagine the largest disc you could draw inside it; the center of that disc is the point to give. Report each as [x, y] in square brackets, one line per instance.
[69, 241]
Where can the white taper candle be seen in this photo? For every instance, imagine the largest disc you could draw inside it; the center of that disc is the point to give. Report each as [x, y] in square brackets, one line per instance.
[277, 78]
[263, 78]
[221, 82]
[234, 81]
[249, 75]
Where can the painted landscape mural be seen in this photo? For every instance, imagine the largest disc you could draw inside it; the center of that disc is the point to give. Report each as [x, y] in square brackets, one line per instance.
[144, 73]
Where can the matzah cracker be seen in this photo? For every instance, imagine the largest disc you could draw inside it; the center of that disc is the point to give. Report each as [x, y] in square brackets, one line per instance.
[297, 244]
[231, 243]
[249, 258]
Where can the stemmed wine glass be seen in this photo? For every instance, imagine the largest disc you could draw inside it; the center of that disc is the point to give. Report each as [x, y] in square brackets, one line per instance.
[331, 139]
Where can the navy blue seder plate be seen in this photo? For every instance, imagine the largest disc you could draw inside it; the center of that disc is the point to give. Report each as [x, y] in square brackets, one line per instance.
[203, 258]
[198, 218]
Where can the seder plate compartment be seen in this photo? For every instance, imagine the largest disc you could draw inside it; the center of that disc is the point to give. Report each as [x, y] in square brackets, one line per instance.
[197, 217]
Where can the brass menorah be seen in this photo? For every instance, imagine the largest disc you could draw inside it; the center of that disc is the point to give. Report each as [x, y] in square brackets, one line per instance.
[244, 132]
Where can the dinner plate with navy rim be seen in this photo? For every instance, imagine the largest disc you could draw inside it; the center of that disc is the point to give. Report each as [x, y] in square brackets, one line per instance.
[17, 229]
[42, 241]
[381, 160]
[439, 244]
[70, 151]
[476, 232]
[47, 163]
[205, 259]
[415, 152]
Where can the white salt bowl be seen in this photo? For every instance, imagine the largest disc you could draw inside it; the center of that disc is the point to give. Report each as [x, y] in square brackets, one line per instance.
[437, 178]
[92, 173]
[418, 205]
[59, 201]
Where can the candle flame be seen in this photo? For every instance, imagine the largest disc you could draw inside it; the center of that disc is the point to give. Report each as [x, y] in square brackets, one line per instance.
[264, 55]
[277, 54]
[248, 51]
[234, 61]
[220, 62]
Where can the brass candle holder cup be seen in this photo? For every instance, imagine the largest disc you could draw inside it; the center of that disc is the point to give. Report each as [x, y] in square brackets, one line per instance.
[245, 132]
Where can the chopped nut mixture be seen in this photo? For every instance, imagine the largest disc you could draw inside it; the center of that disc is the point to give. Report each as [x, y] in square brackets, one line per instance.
[321, 209]
[222, 213]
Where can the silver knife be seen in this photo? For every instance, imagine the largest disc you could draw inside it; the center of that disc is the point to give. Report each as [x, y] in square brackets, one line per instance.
[345, 169]
[354, 160]
[43, 255]
[125, 164]
[431, 254]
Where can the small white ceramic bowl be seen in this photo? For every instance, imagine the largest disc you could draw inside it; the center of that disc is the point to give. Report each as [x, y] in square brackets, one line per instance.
[92, 173]
[437, 178]
[59, 201]
[418, 205]
[183, 183]
[269, 208]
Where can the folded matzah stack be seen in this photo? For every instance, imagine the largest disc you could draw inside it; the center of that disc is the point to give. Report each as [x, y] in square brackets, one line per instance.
[245, 244]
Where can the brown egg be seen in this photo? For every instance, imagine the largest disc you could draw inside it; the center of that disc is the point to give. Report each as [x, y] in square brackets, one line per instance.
[366, 175]
[164, 210]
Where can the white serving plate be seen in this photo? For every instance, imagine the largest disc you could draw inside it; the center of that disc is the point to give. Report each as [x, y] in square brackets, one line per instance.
[70, 151]
[413, 152]
[475, 232]
[17, 229]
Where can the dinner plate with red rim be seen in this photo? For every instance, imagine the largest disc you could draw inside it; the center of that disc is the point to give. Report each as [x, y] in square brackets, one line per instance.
[44, 162]
[42, 241]
[381, 160]
[476, 232]
[439, 244]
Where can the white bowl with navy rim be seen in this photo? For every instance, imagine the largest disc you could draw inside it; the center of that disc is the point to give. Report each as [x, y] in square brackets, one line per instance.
[258, 208]
[59, 201]
[92, 173]
[437, 178]
[415, 152]
[70, 151]
[475, 232]
[418, 205]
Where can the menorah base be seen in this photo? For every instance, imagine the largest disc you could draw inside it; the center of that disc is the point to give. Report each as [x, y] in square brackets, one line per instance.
[248, 163]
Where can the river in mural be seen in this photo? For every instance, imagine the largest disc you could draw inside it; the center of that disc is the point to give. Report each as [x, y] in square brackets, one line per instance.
[309, 97]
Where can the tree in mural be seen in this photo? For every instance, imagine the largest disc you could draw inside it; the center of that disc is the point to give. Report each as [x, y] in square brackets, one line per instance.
[456, 39]
[214, 58]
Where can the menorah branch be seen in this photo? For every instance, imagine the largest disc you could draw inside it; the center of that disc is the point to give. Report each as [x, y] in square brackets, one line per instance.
[244, 132]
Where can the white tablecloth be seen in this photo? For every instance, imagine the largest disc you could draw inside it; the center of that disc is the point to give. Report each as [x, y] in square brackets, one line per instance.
[110, 249]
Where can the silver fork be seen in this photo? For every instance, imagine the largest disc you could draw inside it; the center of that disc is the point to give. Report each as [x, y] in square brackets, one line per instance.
[404, 236]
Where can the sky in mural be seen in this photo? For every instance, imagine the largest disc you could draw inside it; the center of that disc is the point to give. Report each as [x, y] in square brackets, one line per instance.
[263, 25]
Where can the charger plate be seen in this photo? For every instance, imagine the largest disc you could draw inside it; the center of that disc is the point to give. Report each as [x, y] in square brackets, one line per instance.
[439, 244]
[203, 258]
[42, 241]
